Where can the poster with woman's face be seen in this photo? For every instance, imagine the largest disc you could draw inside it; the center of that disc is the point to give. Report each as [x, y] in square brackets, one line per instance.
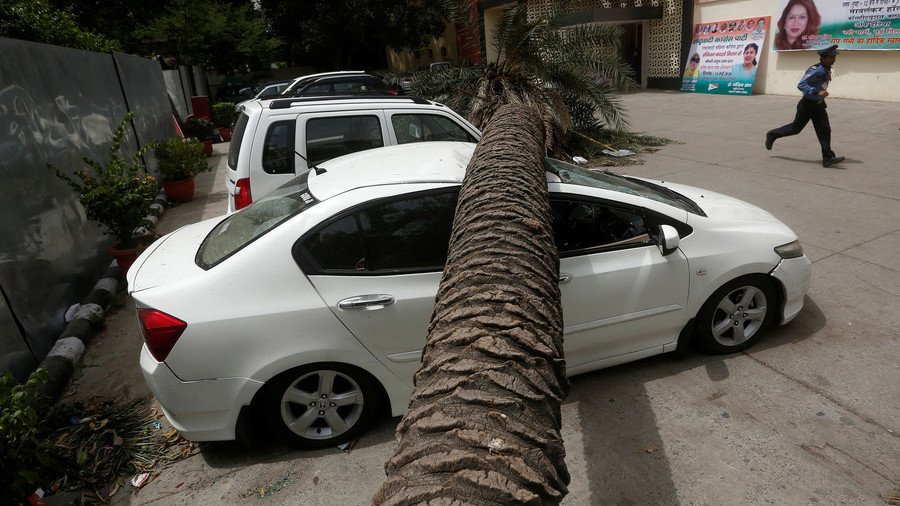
[815, 24]
[725, 61]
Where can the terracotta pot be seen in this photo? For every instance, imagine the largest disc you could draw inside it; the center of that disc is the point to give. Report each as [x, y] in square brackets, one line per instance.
[225, 134]
[125, 257]
[179, 191]
[207, 148]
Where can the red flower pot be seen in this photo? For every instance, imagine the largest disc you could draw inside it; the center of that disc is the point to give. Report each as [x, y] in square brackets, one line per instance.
[207, 148]
[179, 191]
[125, 257]
[225, 134]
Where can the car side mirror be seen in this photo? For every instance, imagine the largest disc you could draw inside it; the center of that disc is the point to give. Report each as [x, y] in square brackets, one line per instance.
[668, 239]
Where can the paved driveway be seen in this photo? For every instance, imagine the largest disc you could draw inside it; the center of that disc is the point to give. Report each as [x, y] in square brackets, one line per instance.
[810, 415]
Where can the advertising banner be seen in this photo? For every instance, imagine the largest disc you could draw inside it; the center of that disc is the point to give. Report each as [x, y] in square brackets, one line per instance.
[724, 56]
[854, 24]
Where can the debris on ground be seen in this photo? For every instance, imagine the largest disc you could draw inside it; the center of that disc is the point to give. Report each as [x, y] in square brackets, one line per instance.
[269, 488]
[348, 446]
[618, 153]
[99, 442]
[139, 480]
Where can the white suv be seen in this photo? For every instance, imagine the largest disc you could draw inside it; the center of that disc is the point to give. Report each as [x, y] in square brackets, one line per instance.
[274, 140]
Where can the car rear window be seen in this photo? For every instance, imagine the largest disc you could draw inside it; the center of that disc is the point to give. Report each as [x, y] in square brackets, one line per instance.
[234, 149]
[249, 224]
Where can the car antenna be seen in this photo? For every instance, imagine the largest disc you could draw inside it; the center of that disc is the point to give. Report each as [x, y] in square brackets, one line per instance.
[318, 170]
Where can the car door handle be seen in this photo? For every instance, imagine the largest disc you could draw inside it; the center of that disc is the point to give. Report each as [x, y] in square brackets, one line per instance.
[564, 278]
[366, 302]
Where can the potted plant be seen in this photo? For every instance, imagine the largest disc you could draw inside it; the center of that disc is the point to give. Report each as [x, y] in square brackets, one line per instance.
[117, 195]
[223, 117]
[200, 129]
[178, 161]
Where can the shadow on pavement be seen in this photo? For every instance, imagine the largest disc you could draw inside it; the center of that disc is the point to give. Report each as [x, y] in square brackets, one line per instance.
[625, 457]
[264, 450]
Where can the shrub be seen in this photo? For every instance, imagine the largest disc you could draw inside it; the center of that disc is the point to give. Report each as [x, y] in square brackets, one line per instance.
[24, 456]
[223, 114]
[180, 158]
[198, 128]
[118, 195]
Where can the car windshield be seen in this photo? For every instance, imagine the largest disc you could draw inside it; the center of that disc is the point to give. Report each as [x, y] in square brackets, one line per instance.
[573, 174]
[245, 226]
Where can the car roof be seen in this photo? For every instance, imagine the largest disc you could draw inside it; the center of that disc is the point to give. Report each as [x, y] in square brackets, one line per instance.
[326, 74]
[418, 162]
[369, 100]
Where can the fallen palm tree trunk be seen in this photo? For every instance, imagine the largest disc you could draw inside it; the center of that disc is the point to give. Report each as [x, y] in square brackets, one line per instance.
[483, 425]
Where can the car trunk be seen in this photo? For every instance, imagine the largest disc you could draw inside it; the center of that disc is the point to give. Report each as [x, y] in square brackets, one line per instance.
[171, 258]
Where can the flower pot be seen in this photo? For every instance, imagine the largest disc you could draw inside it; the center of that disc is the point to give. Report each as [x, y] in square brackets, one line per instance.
[225, 134]
[179, 191]
[125, 257]
[207, 148]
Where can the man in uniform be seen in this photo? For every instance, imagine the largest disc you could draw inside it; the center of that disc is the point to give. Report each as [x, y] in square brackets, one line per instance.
[814, 86]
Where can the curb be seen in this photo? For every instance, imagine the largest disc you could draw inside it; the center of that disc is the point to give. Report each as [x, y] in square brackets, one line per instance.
[83, 320]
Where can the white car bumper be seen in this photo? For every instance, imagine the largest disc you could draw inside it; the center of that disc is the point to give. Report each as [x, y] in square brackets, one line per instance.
[794, 275]
[204, 410]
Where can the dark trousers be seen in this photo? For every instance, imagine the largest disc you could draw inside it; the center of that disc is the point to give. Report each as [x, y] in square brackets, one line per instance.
[808, 110]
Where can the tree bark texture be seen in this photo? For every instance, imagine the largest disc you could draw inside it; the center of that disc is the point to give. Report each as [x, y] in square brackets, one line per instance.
[483, 425]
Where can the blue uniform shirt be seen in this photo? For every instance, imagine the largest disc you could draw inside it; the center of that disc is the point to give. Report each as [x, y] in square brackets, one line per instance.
[815, 80]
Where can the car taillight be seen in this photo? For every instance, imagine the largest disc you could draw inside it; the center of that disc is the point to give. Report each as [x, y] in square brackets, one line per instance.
[242, 197]
[392, 92]
[161, 332]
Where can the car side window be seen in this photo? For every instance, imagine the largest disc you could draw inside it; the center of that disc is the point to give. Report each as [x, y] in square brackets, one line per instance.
[407, 234]
[579, 226]
[330, 137]
[428, 127]
[278, 148]
[318, 89]
[336, 247]
[346, 86]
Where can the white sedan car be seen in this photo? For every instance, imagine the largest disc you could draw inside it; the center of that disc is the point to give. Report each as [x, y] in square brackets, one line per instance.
[308, 309]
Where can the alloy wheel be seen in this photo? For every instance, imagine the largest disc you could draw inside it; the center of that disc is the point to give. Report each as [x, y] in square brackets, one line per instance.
[322, 405]
[739, 315]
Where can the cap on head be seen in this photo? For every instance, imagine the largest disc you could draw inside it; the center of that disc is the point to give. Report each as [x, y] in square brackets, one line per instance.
[831, 50]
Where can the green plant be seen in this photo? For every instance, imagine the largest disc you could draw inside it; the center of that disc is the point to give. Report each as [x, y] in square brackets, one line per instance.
[117, 195]
[179, 159]
[24, 456]
[223, 114]
[198, 128]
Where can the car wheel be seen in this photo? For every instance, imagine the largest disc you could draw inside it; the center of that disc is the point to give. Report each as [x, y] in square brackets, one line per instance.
[320, 405]
[736, 315]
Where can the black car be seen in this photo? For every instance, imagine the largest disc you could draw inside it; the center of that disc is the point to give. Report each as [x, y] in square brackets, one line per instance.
[340, 84]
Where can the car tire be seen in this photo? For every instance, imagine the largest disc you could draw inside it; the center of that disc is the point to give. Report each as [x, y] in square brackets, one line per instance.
[320, 405]
[736, 315]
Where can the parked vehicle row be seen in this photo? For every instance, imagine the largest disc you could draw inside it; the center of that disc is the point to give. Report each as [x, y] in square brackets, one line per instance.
[275, 140]
[307, 310]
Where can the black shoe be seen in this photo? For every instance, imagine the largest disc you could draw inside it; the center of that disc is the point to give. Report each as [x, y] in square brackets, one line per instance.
[834, 160]
[770, 139]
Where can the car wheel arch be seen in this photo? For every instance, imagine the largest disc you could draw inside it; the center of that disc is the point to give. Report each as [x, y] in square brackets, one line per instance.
[253, 422]
[753, 278]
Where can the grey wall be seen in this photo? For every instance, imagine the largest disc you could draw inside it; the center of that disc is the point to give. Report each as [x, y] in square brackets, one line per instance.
[58, 105]
[180, 97]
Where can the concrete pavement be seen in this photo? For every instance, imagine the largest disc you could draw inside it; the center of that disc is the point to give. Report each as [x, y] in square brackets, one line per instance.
[809, 415]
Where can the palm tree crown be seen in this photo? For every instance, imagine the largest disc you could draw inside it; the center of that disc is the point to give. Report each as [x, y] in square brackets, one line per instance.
[572, 75]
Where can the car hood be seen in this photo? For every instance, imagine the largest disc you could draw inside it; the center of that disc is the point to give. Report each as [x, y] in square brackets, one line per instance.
[170, 258]
[720, 206]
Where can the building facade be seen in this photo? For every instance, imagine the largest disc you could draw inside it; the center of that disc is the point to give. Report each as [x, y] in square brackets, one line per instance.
[658, 33]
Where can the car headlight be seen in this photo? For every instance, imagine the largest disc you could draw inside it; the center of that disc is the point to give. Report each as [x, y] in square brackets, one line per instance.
[790, 250]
